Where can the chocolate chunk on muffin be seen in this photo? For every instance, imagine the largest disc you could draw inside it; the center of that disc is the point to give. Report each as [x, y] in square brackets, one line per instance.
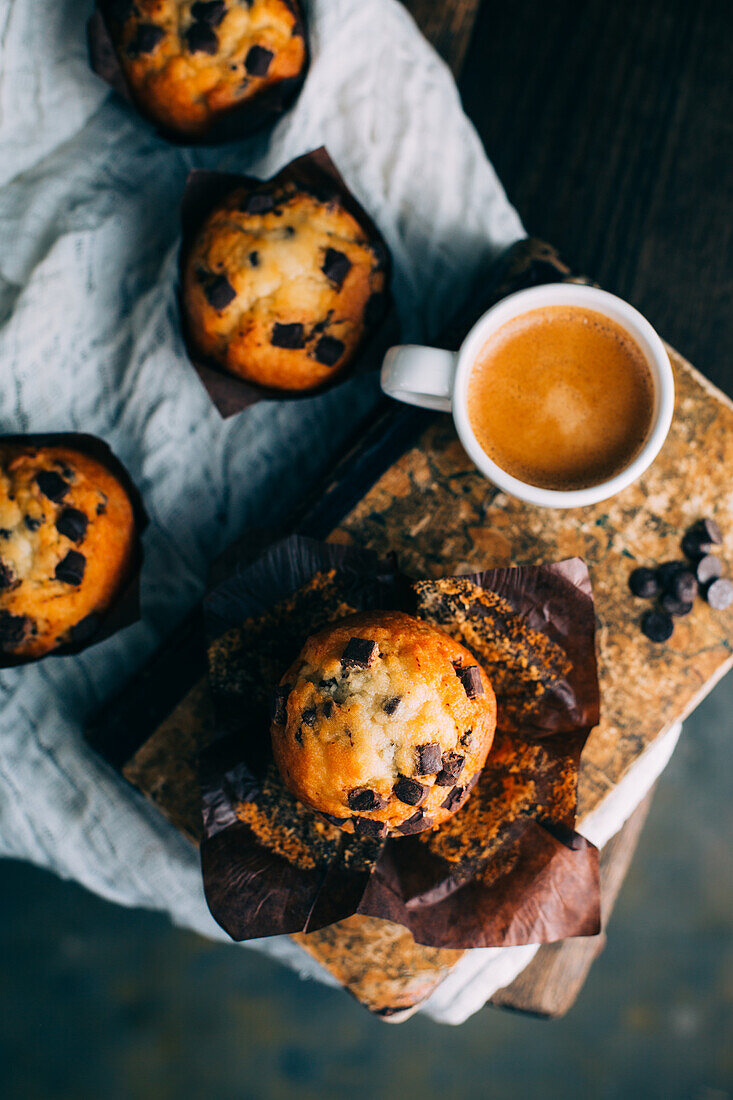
[372, 721]
[67, 546]
[190, 65]
[281, 285]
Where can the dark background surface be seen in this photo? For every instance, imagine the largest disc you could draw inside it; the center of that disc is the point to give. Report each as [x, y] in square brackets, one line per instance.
[611, 127]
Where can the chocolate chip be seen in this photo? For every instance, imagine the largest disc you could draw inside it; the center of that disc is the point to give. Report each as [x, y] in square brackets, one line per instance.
[147, 38]
[32, 523]
[209, 11]
[711, 531]
[719, 594]
[359, 653]
[7, 577]
[374, 309]
[452, 767]
[335, 820]
[309, 716]
[329, 350]
[279, 709]
[367, 826]
[331, 682]
[470, 677]
[254, 259]
[644, 583]
[683, 586]
[336, 266]
[287, 336]
[428, 758]
[363, 799]
[657, 626]
[219, 292]
[672, 606]
[708, 569]
[453, 799]
[14, 629]
[466, 738]
[5, 532]
[410, 791]
[257, 61]
[668, 570]
[102, 506]
[73, 524]
[389, 706]
[52, 485]
[258, 203]
[415, 824]
[201, 38]
[328, 708]
[299, 735]
[70, 569]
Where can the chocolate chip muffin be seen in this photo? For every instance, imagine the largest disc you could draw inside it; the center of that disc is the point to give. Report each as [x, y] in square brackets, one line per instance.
[383, 724]
[67, 538]
[281, 285]
[190, 63]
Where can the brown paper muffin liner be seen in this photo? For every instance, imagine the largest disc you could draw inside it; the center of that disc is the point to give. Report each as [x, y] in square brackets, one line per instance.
[237, 123]
[125, 608]
[508, 868]
[314, 171]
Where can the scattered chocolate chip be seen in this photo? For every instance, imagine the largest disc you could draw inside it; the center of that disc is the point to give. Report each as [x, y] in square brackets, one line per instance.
[70, 569]
[258, 203]
[328, 708]
[683, 585]
[466, 738]
[428, 758]
[257, 61]
[52, 485]
[280, 710]
[335, 820]
[657, 626]
[336, 266]
[410, 791]
[102, 506]
[470, 677]
[672, 606]
[374, 309]
[299, 735]
[14, 629]
[363, 799]
[367, 826]
[644, 583]
[147, 38]
[329, 350]
[668, 570]
[710, 531]
[5, 532]
[452, 767]
[453, 799]
[359, 653]
[219, 292]
[708, 569]
[309, 716]
[695, 544]
[254, 259]
[32, 523]
[415, 824]
[287, 336]
[7, 577]
[719, 594]
[288, 231]
[201, 38]
[209, 11]
[73, 524]
[389, 706]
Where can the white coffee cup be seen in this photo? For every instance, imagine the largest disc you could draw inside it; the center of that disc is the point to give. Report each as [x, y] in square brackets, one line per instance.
[436, 379]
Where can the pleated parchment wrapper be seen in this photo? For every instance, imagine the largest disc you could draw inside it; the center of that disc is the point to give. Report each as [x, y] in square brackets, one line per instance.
[316, 172]
[125, 608]
[235, 124]
[508, 868]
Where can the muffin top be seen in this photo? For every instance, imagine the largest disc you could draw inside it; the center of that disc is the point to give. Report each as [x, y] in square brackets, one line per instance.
[188, 62]
[67, 536]
[383, 724]
[282, 284]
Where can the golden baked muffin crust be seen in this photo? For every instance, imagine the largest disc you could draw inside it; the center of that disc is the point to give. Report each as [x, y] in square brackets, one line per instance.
[67, 537]
[190, 62]
[383, 724]
[281, 285]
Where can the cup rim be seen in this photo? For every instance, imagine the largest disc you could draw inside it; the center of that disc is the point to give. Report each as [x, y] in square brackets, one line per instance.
[616, 309]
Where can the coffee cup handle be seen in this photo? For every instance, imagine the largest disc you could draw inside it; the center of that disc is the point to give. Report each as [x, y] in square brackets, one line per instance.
[420, 376]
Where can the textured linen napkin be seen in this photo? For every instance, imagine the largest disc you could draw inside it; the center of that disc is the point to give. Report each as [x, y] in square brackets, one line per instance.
[89, 341]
